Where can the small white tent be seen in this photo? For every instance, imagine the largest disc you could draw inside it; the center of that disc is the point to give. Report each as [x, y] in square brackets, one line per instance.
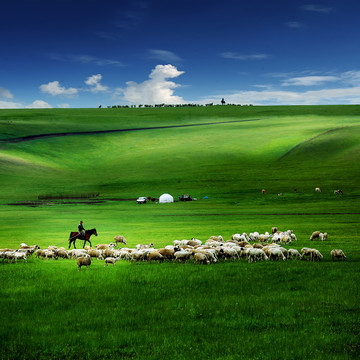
[166, 198]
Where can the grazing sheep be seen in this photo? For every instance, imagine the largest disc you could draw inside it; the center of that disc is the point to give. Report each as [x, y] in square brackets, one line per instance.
[317, 189]
[194, 242]
[167, 253]
[139, 255]
[119, 239]
[105, 246]
[274, 253]
[111, 260]
[305, 251]
[323, 236]
[109, 253]
[211, 254]
[339, 191]
[183, 255]
[254, 236]
[141, 246]
[293, 237]
[230, 253]
[155, 256]
[217, 238]
[96, 254]
[338, 254]
[315, 235]
[254, 255]
[276, 238]
[83, 261]
[30, 249]
[274, 229]
[315, 255]
[285, 238]
[201, 258]
[62, 253]
[14, 255]
[264, 238]
[294, 254]
[76, 253]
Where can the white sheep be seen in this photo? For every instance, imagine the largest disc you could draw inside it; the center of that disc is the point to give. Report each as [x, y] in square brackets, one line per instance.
[96, 254]
[294, 254]
[315, 255]
[119, 239]
[264, 237]
[254, 255]
[201, 258]
[274, 253]
[105, 246]
[155, 256]
[254, 236]
[110, 260]
[139, 255]
[338, 254]
[194, 242]
[305, 252]
[83, 261]
[276, 238]
[142, 246]
[183, 255]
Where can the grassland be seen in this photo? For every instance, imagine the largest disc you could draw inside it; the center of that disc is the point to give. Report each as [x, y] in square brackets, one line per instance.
[227, 154]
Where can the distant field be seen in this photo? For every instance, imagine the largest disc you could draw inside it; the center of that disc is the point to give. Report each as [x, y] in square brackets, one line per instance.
[52, 162]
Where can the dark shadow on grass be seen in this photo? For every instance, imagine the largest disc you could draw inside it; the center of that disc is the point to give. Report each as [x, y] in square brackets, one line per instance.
[41, 136]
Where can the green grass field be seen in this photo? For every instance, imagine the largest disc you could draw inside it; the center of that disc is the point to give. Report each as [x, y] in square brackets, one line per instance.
[221, 155]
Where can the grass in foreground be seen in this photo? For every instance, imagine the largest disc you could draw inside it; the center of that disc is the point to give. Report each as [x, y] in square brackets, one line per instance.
[234, 310]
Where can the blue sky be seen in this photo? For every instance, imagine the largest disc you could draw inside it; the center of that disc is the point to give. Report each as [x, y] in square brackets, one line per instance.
[76, 54]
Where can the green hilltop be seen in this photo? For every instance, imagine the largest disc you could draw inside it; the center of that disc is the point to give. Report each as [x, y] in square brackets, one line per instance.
[219, 151]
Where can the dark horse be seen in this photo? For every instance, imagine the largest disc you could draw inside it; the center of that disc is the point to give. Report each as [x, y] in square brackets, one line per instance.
[76, 235]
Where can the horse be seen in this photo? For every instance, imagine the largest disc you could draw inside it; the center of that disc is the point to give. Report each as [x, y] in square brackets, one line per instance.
[76, 235]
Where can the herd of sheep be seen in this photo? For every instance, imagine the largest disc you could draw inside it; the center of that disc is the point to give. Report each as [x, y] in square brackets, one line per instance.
[253, 247]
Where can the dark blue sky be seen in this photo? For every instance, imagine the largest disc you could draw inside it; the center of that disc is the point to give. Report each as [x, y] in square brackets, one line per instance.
[85, 53]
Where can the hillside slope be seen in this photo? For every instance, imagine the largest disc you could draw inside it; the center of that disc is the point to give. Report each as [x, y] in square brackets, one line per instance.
[218, 151]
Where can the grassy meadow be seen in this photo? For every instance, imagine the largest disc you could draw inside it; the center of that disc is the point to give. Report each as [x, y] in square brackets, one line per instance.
[221, 155]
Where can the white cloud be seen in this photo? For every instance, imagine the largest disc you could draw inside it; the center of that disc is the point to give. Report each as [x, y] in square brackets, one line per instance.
[39, 104]
[10, 105]
[155, 90]
[275, 97]
[309, 80]
[317, 8]
[164, 55]
[351, 77]
[53, 88]
[64, 106]
[94, 82]
[234, 56]
[5, 94]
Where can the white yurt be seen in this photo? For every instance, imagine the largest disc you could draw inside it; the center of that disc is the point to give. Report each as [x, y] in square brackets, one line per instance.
[166, 198]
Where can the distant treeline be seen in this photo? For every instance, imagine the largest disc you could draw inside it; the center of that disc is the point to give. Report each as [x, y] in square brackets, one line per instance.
[165, 106]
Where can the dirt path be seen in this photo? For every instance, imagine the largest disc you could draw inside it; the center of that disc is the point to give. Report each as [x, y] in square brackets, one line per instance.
[42, 136]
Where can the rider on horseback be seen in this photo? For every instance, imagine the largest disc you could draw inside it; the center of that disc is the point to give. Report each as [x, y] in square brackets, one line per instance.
[81, 230]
